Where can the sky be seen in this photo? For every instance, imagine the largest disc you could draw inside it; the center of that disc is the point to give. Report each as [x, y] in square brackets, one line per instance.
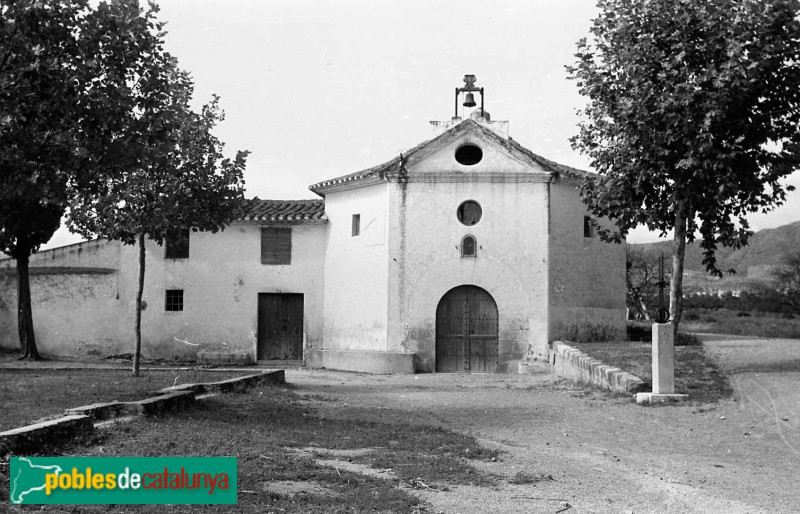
[317, 89]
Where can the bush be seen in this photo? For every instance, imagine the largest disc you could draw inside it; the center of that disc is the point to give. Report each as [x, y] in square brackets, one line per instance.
[643, 332]
[639, 332]
[585, 333]
[687, 340]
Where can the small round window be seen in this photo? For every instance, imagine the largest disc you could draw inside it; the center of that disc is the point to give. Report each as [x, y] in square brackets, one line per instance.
[469, 213]
[469, 154]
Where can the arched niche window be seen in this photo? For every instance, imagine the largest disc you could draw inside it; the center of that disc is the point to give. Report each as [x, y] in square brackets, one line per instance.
[469, 247]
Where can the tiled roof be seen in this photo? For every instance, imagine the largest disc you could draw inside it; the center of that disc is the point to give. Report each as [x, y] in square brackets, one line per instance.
[375, 171]
[283, 210]
[393, 165]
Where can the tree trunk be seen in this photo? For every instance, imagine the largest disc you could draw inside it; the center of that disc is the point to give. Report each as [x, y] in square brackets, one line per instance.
[137, 352]
[27, 339]
[676, 283]
[643, 310]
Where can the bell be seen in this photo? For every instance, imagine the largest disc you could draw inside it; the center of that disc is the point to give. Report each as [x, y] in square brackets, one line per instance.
[469, 100]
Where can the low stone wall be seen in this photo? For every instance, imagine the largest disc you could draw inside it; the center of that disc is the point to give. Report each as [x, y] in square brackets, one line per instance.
[31, 437]
[79, 421]
[568, 362]
[379, 363]
[231, 385]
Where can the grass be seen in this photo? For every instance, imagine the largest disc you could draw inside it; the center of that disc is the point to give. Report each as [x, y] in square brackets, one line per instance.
[33, 394]
[695, 373]
[757, 324]
[279, 439]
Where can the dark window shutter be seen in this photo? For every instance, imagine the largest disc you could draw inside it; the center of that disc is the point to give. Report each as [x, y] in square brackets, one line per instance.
[177, 244]
[356, 225]
[276, 245]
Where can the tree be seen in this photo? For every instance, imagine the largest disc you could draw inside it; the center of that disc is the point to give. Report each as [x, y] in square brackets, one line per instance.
[642, 277]
[173, 177]
[691, 120]
[786, 277]
[61, 65]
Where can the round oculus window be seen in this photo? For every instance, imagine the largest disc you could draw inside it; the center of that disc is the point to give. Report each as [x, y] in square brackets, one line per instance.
[469, 154]
[469, 213]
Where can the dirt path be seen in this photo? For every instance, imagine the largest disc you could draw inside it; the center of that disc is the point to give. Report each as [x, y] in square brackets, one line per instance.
[604, 453]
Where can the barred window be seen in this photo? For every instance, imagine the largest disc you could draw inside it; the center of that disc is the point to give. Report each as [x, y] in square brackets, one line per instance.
[173, 300]
[356, 227]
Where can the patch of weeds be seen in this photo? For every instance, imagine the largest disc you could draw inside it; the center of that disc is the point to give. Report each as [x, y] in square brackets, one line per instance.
[317, 398]
[433, 468]
[639, 331]
[525, 478]
[745, 323]
[29, 395]
[587, 332]
[432, 454]
[263, 428]
[592, 391]
[687, 340]
[695, 373]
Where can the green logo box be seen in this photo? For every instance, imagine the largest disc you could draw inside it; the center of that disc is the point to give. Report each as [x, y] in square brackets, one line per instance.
[123, 480]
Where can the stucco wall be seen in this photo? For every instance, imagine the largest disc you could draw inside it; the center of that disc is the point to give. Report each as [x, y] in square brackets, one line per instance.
[425, 253]
[77, 314]
[73, 314]
[95, 253]
[356, 270]
[587, 275]
[221, 280]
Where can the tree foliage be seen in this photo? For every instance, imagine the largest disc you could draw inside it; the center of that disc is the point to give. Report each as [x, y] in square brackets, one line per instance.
[63, 66]
[692, 115]
[172, 175]
[786, 277]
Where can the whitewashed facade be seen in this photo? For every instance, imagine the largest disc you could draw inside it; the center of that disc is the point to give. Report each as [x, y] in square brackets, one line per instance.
[466, 253]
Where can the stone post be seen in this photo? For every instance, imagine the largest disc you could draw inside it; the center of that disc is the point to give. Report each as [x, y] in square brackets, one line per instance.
[663, 368]
[663, 359]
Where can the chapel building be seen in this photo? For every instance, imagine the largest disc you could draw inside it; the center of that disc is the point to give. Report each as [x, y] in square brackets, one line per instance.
[466, 253]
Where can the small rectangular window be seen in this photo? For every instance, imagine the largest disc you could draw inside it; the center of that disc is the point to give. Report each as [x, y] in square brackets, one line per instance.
[276, 245]
[356, 225]
[173, 300]
[177, 244]
[588, 228]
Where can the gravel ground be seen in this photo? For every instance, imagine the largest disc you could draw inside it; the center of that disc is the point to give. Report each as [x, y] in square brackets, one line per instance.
[595, 452]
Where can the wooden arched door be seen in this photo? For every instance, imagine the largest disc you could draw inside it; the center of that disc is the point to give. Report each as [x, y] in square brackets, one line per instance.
[466, 331]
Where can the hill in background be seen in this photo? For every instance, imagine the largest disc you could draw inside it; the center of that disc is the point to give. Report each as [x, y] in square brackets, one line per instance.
[751, 263]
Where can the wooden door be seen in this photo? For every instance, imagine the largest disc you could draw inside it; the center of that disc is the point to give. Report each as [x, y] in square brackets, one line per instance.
[466, 331]
[280, 326]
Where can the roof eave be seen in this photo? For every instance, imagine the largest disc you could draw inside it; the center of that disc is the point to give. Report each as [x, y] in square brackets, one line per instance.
[275, 221]
[337, 185]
